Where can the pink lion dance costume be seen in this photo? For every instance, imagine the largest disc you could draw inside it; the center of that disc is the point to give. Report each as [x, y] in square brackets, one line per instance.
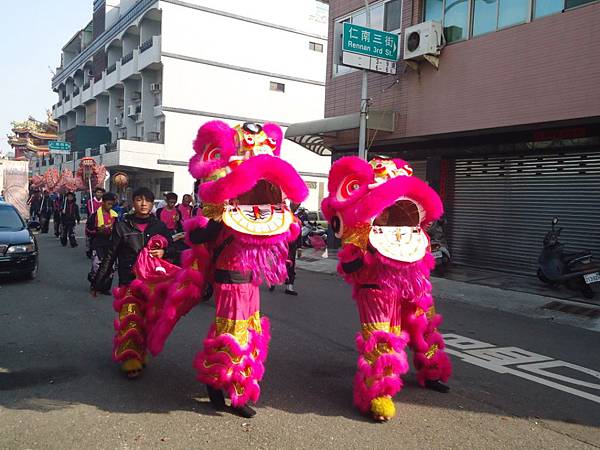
[380, 212]
[239, 239]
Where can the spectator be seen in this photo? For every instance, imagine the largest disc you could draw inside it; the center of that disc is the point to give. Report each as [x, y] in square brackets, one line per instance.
[69, 217]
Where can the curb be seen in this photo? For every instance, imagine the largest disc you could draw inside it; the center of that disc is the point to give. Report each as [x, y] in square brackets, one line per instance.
[521, 303]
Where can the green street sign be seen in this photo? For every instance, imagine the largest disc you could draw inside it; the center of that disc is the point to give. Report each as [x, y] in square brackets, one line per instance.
[59, 147]
[370, 42]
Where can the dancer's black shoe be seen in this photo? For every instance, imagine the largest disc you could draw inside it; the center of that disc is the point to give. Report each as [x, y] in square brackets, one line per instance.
[245, 411]
[437, 386]
[271, 288]
[217, 399]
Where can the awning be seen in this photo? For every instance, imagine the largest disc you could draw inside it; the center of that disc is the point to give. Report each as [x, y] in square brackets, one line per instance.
[311, 134]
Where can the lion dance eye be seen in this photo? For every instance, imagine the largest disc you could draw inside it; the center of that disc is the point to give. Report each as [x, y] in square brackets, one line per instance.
[348, 187]
[211, 153]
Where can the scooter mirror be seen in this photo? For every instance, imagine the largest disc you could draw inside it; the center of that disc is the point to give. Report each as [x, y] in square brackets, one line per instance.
[554, 220]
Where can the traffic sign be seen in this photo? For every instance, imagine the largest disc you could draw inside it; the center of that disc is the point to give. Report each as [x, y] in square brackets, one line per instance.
[59, 147]
[369, 63]
[370, 42]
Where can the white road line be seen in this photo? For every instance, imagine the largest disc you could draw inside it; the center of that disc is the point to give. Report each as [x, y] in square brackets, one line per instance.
[490, 357]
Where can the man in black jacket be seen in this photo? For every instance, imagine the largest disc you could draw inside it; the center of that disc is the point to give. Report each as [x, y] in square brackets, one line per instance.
[128, 238]
[69, 216]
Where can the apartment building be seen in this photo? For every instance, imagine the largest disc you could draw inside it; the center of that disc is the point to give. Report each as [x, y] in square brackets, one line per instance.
[151, 72]
[506, 127]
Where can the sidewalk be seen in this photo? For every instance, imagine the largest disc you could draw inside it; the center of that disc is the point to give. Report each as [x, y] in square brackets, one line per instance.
[472, 290]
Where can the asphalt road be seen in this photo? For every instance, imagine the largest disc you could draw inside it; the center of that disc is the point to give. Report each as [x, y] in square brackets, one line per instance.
[59, 388]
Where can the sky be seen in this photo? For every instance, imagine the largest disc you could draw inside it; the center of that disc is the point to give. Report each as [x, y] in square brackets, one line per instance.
[32, 33]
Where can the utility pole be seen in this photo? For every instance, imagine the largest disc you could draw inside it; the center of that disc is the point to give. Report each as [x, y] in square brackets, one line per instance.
[364, 100]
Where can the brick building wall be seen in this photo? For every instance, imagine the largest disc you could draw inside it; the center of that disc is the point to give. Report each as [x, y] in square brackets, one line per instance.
[543, 71]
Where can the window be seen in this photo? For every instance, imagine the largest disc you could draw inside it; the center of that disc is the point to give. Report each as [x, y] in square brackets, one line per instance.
[456, 20]
[574, 3]
[385, 15]
[464, 18]
[392, 15]
[490, 15]
[278, 87]
[166, 184]
[10, 219]
[547, 7]
[315, 47]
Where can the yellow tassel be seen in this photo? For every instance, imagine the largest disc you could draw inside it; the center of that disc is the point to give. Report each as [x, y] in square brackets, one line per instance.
[383, 407]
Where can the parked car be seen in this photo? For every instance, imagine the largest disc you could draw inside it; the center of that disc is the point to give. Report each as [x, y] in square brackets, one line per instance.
[18, 245]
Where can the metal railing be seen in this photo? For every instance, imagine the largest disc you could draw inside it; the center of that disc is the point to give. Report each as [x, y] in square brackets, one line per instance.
[111, 68]
[86, 85]
[95, 151]
[75, 91]
[146, 45]
[67, 98]
[112, 147]
[125, 59]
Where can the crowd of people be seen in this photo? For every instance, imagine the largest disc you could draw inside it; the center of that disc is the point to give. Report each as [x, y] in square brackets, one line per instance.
[104, 210]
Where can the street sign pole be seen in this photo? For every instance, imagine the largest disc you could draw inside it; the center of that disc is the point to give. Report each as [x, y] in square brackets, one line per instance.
[364, 100]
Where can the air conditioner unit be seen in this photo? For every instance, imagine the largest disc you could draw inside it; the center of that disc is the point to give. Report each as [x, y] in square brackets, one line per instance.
[423, 40]
[132, 110]
[154, 136]
[155, 88]
[136, 96]
[118, 120]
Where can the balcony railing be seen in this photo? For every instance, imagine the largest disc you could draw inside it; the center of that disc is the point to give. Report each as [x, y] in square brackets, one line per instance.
[111, 68]
[86, 85]
[112, 147]
[75, 91]
[67, 98]
[146, 45]
[59, 103]
[122, 24]
[95, 151]
[128, 57]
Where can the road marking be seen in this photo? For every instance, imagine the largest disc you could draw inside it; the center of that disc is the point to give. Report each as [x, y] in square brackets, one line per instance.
[530, 366]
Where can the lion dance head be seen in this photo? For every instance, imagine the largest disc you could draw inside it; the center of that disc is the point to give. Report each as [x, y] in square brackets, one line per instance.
[243, 181]
[380, 204]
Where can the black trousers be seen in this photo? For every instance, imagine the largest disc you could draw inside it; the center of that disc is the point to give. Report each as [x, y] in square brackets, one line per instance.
[44, 222]
[56, 220]
[68, 231]
[291, 263]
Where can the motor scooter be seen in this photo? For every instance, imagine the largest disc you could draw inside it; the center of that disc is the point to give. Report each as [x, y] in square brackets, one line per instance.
[576, 270]
[439, 246]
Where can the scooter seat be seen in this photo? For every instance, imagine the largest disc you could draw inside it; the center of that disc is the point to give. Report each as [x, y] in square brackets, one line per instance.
[576, 255]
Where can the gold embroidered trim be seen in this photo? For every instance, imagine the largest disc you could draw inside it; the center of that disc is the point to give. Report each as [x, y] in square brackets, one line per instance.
[432, 350]
[238, 328]
[213, 211]
[358, 235]
[129, 309]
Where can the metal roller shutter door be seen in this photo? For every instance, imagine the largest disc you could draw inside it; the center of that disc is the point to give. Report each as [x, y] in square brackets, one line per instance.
[419, 169]
[503, 208]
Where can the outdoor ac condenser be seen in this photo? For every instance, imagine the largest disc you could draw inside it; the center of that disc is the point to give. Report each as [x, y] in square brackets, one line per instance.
[423, 39]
